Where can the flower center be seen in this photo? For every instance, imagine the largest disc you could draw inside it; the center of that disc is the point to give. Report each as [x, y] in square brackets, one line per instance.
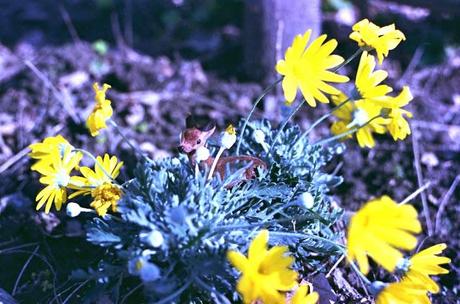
[62, 178]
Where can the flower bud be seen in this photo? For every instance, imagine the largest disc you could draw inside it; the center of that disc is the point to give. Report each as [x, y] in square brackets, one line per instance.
[154, 238]
[73, 209]
[360, 118]
[307, 200]
[202, 153]
[259, 136]
[385, 112]
[228, 139]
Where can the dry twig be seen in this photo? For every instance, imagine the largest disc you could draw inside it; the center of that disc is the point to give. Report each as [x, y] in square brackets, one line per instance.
[418, 169]
[443, 203]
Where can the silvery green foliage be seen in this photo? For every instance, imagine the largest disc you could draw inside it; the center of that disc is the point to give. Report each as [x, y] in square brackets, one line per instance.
[176, 227]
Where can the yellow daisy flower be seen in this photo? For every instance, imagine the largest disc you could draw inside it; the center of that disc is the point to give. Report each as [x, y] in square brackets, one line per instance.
[426, 263]
[57, 177]
[106, 196]
[398, 126]
[266, 274]
[368, 81]
[105, 171]
[379, 229]
[381, 39]
[370, 101]
[358, 114]
[307, 68]
[102, 110]
[98, 183]
[50, 148]
[402, 293]
[303, 296]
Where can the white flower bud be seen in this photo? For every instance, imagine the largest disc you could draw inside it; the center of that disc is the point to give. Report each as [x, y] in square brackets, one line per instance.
[73, 209]
[228, 139]
[259, 136]
[202, 153]
[155, 238]
[175, 161]
[307, 200]
[360, 118]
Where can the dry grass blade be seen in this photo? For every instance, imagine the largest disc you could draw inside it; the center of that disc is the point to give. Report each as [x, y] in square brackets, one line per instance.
[418, 169]
[443, 203]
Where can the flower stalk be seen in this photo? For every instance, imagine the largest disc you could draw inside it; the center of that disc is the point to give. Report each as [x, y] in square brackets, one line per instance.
[254, 107]
[345, 134]
[96, 162]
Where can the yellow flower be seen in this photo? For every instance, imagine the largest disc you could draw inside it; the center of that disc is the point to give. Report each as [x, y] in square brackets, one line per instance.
[398, 127]
[307, 68]
[50, 148]
[102, 110]
[368, 81]
[372, 100]
[230, 130]
[105, 171]
[105, 196]
[57, 177]
[426, 263]
[381, 39]
[265, 273]
[402, 293]
[99, 183]
[378, 230]
[302, 296]
[357, 114]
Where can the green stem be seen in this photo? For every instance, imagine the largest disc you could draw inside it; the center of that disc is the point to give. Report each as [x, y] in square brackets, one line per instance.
[70, 185]
[339, 136]
[284, 124]
[317, 122]
[264, 93]
[174, 295]
[359, 273]
[355, 54]
[131, 145]
[309, 236]
[96, 163]
[214, 163]
[264, 223]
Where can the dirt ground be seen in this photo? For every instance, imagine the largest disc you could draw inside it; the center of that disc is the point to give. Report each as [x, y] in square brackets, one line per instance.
[50, 92]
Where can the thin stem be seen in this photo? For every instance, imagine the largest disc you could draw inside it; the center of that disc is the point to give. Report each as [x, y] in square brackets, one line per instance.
[211, 290]
[415, 193]
[309, 236]
[214, 163]
[360, 274]
[284, 124]
[337, 245]
[175, 294]
[197, 170]
[338, 136]
[70, 185]
[264, 223]
[74, 291]
[355, 54]
[131, 145]
[254, 107]
[96, 162]
[321, 120]
[18, 279]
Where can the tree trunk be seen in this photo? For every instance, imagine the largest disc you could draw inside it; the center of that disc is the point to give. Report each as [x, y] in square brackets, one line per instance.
[270, 26]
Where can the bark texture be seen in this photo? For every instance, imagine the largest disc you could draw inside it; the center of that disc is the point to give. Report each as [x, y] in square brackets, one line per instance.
[270, 26]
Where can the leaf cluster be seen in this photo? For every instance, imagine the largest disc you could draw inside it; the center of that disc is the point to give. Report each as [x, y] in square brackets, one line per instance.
[200, 220]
